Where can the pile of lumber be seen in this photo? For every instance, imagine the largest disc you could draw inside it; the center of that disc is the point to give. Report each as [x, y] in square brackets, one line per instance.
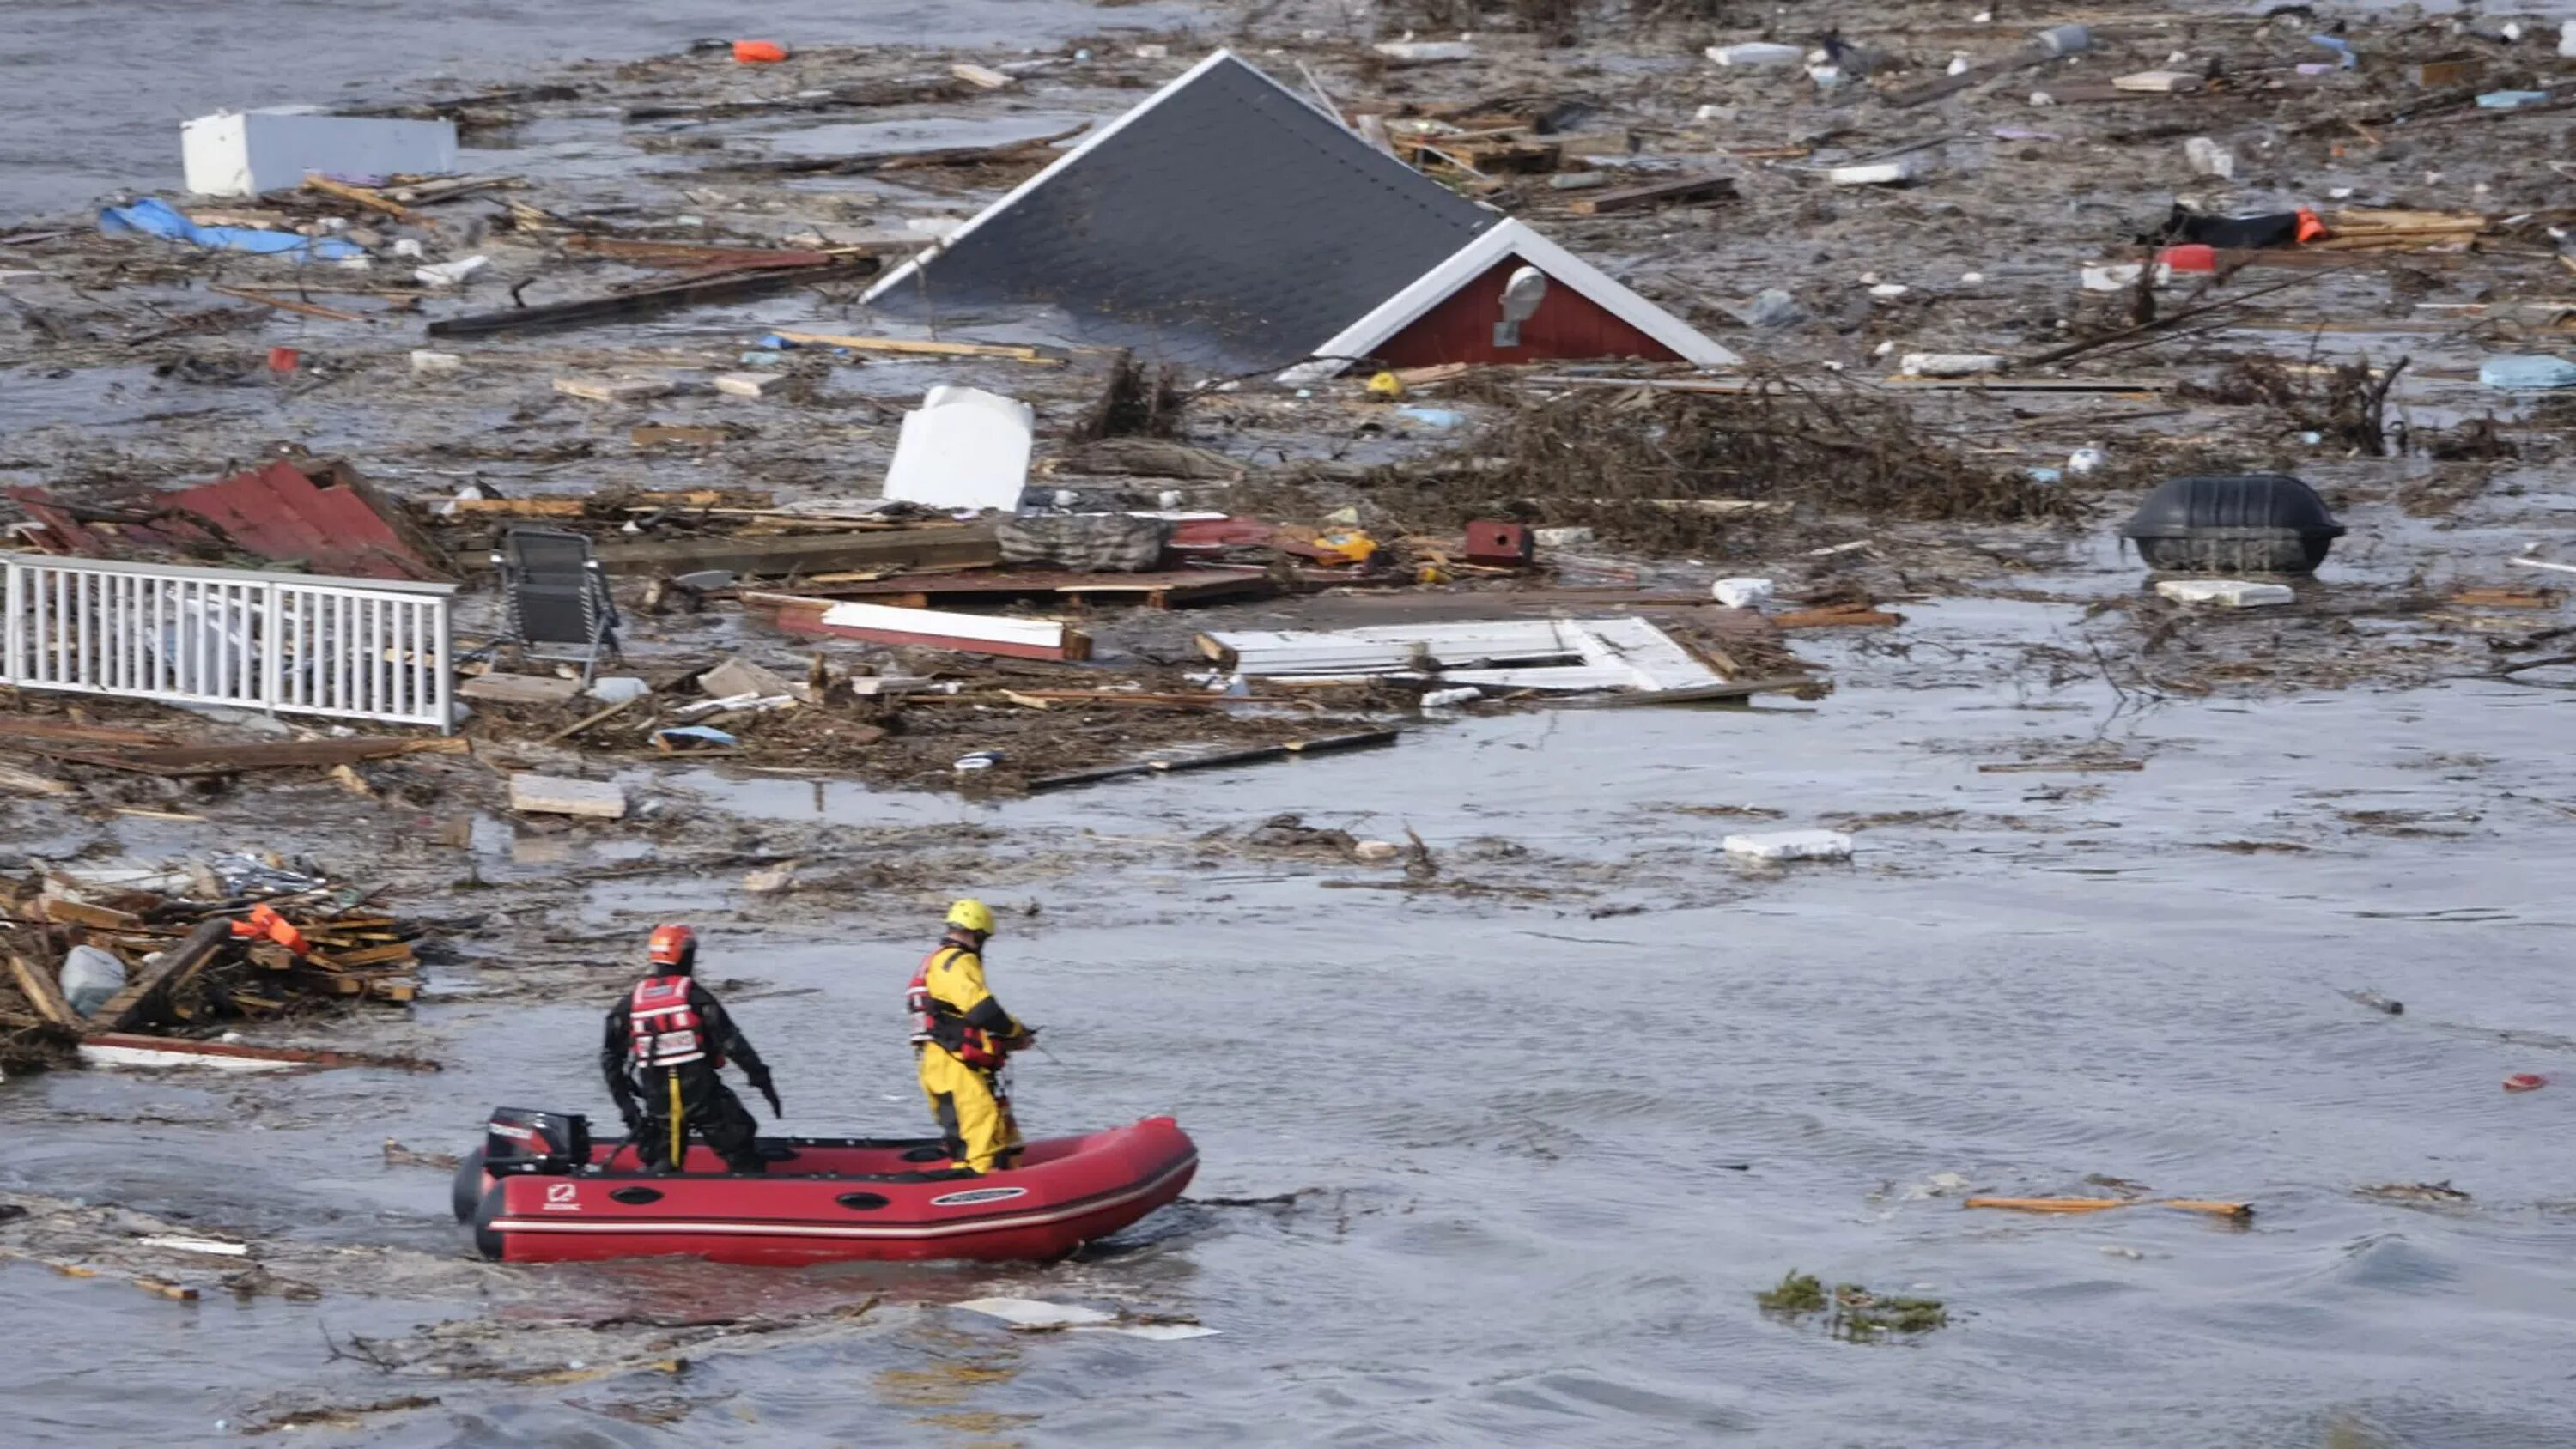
[242, 940]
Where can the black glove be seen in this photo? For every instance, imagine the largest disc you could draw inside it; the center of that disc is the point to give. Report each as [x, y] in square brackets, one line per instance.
[764, 1087]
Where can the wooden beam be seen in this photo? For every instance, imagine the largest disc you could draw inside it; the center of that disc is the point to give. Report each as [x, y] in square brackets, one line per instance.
[645, 301]
[1044, 356]
[128, 1008]
[1654, 193]
[43, 993]
[779, 555]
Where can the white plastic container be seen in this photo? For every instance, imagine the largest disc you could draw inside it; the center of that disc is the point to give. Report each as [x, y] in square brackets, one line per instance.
[1950, 364]
[2226, 593]
[1790, 845]
[244, 153]
[1756, 53]
[1744, 593]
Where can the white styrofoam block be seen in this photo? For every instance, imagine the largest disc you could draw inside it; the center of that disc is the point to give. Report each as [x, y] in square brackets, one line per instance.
[1902, 171]
[244, 153]
[1791, 845]
[962, 448]
[2227, 593]
[1950, 364]
[1741, 593]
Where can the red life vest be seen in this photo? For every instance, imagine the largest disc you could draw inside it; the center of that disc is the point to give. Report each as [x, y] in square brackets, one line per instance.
[663, 1029]
[935, 1023]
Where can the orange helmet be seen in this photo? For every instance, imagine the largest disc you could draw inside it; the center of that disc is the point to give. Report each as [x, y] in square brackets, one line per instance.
[675, 946]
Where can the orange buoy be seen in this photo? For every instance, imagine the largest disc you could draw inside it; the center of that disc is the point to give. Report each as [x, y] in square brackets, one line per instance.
[2525, 1082]
[758, 52]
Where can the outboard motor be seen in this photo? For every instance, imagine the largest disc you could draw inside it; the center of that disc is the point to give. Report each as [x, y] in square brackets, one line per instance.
[524, 1139]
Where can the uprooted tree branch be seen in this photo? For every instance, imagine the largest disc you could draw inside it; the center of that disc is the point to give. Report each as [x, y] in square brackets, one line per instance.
[1670, 467]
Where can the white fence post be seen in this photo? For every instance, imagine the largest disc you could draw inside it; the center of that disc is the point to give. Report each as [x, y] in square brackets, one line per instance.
[368, 649]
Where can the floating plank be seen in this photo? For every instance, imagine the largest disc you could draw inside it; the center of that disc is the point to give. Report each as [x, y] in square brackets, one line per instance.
[1836, 619]
[1286, 749]
[777, 555]
[696, 254]
[1655, 193]
[2044, 767]
[519, 689]
[927, 628]
[642, 302]
[153, 983]
[554, 795]
[1158, 590]
[1042, 356]
[28, 782]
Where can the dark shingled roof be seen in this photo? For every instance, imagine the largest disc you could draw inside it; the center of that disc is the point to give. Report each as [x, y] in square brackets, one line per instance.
[1227, 225]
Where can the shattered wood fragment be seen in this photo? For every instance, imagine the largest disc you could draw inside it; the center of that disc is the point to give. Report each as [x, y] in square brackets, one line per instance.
[554, 795]
[1849, 618]
[1043, 356]
[28, 782]
[779, 555]
[519, 689]
[697, 254]
[1657, 193]
[150, 988]
[646, 301]
[2037, 767]
[43, 993]
[120, 1049]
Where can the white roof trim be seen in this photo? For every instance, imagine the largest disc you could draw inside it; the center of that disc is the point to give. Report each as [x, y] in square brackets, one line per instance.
[1096, 138]
[1511, 238]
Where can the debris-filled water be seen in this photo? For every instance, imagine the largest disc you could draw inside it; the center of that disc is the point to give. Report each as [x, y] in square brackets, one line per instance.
[1995, 995]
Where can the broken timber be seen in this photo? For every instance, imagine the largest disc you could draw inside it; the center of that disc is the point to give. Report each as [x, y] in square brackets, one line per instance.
[154, 983]
[779, 555]
[1654, 193]
[43, 993]
[1287, 749]
[121, 1049]
[739, 286]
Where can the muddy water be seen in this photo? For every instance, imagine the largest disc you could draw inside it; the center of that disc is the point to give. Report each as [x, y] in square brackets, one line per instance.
[1509, 1117]
[92, 91]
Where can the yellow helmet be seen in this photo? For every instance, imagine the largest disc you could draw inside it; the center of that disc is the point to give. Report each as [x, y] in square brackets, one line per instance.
[972, 915]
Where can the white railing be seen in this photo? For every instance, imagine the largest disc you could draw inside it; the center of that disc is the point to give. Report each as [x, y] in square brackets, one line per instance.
[348, 648]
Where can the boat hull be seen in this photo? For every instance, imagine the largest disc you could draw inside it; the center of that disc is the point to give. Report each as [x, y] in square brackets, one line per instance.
[836, 1201]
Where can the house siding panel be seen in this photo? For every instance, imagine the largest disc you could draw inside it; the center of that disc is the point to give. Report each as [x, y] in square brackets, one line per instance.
[1567, 327]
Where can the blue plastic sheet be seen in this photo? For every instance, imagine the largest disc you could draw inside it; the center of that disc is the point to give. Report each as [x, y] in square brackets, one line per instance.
[157, 218]
[2342, 48]
[2511, 100]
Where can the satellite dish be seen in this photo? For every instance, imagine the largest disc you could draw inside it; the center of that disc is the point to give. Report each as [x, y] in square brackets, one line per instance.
[1521, 296]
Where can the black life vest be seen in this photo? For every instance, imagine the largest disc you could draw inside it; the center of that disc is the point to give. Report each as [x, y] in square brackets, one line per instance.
[663, 1028]
[936, 1023]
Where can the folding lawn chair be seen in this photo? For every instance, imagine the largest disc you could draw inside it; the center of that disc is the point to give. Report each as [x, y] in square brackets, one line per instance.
[556, 597]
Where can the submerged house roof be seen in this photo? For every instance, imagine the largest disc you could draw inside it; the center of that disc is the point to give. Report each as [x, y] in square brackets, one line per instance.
[1227, 223]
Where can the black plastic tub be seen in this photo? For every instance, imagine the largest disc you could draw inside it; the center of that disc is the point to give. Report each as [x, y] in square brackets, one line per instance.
[2235, 523]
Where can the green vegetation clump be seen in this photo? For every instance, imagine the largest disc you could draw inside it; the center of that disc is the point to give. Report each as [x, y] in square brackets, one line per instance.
[1798, 1293]
[1858, 1315]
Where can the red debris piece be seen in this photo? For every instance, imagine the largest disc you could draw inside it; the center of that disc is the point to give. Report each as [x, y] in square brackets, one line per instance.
[282, 359]
[319, 514]
[2525, 1082]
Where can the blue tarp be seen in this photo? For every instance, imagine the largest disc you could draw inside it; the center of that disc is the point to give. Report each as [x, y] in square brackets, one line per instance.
[156, 218]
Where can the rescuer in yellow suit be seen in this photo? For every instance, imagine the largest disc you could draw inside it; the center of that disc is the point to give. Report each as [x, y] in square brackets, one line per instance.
[964, 1039]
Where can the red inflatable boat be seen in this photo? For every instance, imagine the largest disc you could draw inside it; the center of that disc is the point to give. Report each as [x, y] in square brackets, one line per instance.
[539, 1191]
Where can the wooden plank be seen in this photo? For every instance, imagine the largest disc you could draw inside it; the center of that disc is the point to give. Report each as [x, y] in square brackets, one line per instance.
[776, 555]
[28, 727]
[519, 689]
[367, 956]
[182, 760]
[28, 782]
[1836, 619]
[43, 993]
[1286, 749]
[554, 795]
[695, 254]
[1042, 356]
[1175, 585]
[1655, 193]
[642, 302]
[151, 985]
[97, 918]
[368, 198]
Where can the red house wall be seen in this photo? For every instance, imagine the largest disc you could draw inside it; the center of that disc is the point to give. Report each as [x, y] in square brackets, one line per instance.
[1568, 327]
